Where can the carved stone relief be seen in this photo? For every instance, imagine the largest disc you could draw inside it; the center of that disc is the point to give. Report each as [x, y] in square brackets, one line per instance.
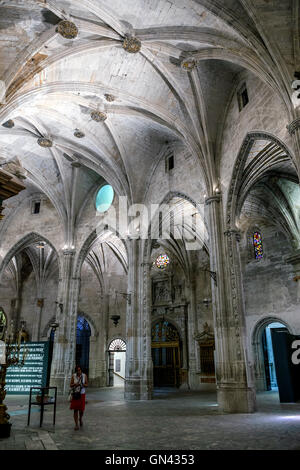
[161, 291]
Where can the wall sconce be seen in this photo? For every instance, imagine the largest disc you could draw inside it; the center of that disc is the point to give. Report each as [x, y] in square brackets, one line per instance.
[212, 274]
[125, 295]
[54, 325]
[115, 319]
[206, 302]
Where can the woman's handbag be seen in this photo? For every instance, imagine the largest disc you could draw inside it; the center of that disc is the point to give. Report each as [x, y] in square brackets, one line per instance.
[70, 396]
[76, 395]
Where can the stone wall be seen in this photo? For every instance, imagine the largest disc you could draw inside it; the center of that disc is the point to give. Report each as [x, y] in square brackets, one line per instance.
[264, 112]
[269, 288]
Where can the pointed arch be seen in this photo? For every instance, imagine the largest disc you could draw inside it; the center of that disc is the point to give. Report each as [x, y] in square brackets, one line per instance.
[93, 237]
[24, 243]
[234, 200]
[174, 245]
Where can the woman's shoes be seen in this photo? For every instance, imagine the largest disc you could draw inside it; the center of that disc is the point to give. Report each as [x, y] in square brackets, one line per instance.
[76, 428]
[81, 423]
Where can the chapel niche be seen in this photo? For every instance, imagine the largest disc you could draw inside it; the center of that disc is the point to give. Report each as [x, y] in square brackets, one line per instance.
[206, 342]
[169, 306]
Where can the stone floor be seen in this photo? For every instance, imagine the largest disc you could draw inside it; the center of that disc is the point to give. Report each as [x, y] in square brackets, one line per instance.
[172, 420]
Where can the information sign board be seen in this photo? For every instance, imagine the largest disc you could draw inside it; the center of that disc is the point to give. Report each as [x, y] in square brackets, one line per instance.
[33, 373]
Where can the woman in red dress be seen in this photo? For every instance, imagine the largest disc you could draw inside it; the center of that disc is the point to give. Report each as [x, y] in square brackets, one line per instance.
[78, 384]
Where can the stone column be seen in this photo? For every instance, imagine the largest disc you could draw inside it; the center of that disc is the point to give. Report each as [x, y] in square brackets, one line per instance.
[13, 309]
[92, 360]
[235, 388]
[63, 361]
[138, 375]
[191, 331]
[103, 342]
[36, 330]
[16, 308]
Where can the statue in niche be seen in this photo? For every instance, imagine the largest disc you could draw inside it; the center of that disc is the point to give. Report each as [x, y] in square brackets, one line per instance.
[206, 334]
[161, 292]
[177, 292]
[206, 341]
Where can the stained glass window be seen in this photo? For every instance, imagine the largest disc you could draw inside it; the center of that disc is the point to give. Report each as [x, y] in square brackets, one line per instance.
[83, 333]
[257, 243]
[82, 325]
[164, 331]
[104, 198]
[162, 261]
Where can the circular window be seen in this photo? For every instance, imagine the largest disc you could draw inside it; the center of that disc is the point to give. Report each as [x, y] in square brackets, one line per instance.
[104, 198]
[162, 261]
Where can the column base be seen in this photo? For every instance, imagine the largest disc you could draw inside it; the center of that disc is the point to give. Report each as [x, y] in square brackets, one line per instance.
[236, 400]
[138, 389]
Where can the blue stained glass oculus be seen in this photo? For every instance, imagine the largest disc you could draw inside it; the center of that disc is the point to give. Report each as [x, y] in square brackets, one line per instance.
[104, 198]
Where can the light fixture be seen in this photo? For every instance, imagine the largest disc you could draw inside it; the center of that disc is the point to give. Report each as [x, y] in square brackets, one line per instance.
[41, 244]
[206, 302]
[54, 325]
[115, 319]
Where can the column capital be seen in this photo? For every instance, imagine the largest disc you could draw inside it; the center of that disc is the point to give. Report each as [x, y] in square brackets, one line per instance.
[209, 200]
[69, 252]
[233, 232]
[293, 126]
[133, 237]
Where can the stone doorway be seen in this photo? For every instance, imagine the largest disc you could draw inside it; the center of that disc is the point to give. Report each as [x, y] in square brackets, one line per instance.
[265, 371]
[166, 354]
[116, 363]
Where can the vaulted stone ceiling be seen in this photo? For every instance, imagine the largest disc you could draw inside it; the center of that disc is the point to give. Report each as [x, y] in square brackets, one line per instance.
[176, 88]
